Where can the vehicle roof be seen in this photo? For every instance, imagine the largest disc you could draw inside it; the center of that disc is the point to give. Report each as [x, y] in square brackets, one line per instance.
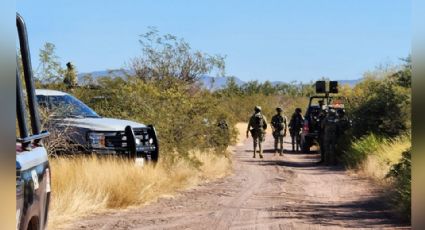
[49, 92]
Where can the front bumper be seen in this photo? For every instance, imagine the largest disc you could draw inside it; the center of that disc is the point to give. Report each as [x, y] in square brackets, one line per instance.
[132, 143]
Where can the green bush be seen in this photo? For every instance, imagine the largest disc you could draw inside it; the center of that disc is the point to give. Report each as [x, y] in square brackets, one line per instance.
[184, 116]
[382, 105]
[359, 149]
[402, 177]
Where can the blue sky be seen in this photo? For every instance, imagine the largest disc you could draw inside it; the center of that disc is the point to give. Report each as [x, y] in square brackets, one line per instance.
[263, 40]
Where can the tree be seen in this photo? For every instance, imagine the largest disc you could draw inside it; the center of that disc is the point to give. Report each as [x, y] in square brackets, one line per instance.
[166, 56]
[49, 70]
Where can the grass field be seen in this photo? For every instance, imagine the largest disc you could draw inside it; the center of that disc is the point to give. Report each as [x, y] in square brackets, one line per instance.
[85, 185]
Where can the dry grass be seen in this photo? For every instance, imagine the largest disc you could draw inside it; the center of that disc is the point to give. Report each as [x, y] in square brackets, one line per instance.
[378, 163]
[87, 185]
[241, 128]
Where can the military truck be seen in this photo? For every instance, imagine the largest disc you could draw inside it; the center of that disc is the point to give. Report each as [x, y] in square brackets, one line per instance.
[89, 132]
[32, 165]
[324, 99]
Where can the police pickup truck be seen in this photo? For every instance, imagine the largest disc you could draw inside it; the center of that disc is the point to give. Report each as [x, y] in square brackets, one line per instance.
[32, 165]
[92, 133]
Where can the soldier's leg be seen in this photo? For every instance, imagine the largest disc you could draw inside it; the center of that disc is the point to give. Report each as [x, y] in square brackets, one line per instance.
[321, 149]
[260, 146]
[293, 142]
[298, 141]
[281, 145]
[276, 139]
[333, 152]
[326, 153]
[255, 145]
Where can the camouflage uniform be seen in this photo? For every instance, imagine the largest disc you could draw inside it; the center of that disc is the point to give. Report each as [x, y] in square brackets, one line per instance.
[70, 79]
[295, 127]
[258, 123]
[330, 135]
[279, 130]
[322, 117]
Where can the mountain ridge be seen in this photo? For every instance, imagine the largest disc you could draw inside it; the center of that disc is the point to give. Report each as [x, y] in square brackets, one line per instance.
[207, 81]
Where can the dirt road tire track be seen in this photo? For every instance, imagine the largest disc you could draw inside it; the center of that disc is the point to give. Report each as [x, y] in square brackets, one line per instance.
[289, 192]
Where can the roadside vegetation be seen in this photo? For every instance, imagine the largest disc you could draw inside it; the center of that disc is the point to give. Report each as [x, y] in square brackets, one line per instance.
[87, 185]
[196, 125]
[379, 142]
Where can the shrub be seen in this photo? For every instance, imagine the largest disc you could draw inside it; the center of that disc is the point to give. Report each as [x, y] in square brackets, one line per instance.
[400, 173]
[359, 150]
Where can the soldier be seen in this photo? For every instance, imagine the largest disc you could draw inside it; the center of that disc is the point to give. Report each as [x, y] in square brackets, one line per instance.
[279, 130]
[258, 123]
[330, 135]
[343, 122]
[295, 126]
[70, 79]
[322, 116]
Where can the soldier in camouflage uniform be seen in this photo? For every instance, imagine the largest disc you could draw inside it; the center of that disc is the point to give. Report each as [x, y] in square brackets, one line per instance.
[322, 117]
[70, 79]
[295, 127]
[279, 130]
[330, 135]
[258, 123]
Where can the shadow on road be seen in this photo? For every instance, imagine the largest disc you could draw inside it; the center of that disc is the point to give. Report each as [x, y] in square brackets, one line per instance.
[365, 213]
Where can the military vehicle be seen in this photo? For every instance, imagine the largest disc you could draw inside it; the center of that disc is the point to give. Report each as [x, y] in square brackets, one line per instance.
[32, 165]
[324, 99]
[91, 133]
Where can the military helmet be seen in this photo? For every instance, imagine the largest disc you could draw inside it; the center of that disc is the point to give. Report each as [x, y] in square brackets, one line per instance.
[279, 109]
[298, 110]
[257, 108]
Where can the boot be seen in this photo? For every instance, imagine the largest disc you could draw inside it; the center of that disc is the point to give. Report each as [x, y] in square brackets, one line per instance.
[261, 153]
[281, 153]
[253, 156]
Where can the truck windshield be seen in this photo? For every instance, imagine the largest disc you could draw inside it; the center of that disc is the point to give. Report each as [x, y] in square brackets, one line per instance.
[65, 106]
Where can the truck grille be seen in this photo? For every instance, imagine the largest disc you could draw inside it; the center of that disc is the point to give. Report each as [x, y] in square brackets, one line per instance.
[119, 140]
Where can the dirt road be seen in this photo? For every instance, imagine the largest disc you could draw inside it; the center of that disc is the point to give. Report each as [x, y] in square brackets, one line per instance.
[289, 192]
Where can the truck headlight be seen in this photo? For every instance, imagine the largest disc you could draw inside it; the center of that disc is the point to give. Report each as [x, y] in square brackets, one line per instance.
[97, 140]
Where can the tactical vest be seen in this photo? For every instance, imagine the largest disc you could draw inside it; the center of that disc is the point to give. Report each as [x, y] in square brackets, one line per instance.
[278, 122]
[331, 128]
[259, 123]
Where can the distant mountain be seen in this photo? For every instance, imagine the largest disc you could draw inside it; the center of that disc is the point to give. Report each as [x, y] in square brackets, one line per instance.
[215, 83]
[351, 83]
[101, 73]
[208, 82]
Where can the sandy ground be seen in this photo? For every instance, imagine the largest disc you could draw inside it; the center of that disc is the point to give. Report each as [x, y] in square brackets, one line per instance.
[289, 192]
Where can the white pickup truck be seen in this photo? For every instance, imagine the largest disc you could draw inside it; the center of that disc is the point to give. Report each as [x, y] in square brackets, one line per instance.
[96, 134]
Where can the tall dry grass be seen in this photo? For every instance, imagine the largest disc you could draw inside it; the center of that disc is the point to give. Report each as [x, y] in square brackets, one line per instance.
[379, 162]
[373, 156]
[87, 185]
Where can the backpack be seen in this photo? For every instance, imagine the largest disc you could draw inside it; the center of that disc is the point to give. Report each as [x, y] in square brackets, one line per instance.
[296, 122]
[280, 123]
[259, 122]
